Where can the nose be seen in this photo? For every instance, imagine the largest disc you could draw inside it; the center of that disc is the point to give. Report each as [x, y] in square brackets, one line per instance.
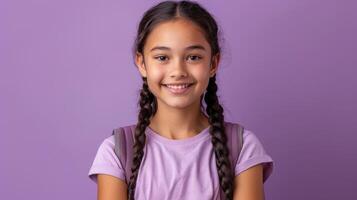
[178, 69]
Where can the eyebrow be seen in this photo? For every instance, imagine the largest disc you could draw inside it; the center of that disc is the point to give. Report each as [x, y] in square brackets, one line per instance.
[192, 47]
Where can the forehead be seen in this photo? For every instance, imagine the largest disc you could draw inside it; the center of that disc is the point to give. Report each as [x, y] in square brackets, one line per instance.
[176, 35]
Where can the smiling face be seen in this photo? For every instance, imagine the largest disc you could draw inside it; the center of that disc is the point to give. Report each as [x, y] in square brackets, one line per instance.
[176, 52]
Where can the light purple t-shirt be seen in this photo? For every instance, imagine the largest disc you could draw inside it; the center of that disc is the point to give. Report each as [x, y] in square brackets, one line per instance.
[180, 169]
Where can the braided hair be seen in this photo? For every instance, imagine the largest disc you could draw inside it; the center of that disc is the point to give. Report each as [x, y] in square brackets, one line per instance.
[165, 11]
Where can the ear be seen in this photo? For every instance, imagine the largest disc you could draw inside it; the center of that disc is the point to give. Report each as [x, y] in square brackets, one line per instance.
[139, 61]
[214, 64]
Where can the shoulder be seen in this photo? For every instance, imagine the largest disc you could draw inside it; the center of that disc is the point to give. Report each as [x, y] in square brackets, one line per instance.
[252, 153]
[250, 139]
[105, 149]
[105, 160]
[128, 129]
[108, 144]
[108, 141]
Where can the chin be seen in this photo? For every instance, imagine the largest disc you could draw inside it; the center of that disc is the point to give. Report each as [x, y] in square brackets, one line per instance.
[180, 104]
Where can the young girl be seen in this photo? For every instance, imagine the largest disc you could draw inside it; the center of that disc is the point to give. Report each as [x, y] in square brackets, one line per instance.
[180, 149]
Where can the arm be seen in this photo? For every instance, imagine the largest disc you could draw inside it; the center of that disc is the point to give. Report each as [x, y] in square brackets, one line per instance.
[248, 185]
[111, 188]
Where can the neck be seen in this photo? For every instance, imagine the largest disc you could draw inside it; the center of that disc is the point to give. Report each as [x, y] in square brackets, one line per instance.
[178, 123]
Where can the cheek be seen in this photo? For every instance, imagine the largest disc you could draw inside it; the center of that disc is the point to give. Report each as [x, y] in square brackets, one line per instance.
[155, 72]
[201, 73]
[155, 77]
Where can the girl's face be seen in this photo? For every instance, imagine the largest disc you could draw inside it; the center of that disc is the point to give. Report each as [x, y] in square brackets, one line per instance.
[177, 52]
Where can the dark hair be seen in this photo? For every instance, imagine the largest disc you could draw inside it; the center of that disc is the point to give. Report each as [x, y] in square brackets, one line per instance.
[166, 11]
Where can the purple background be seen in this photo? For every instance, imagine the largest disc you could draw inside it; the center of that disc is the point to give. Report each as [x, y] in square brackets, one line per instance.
[67, 79]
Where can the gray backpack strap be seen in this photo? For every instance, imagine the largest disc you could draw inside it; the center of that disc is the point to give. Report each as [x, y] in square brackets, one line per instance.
[124, 141]
[240, 139]
[235, 142]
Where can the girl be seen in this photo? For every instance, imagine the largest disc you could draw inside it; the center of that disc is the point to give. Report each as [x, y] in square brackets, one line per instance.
[180, 151]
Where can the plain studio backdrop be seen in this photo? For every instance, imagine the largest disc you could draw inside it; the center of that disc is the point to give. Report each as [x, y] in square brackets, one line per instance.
[67, 78]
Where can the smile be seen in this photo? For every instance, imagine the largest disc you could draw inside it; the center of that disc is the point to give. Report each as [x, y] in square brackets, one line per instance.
[178, 89]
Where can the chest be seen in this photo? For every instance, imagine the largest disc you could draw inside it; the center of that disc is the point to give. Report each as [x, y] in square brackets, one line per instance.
[178, 172]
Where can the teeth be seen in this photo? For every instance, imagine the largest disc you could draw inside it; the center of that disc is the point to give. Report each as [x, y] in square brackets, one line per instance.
[178, 86]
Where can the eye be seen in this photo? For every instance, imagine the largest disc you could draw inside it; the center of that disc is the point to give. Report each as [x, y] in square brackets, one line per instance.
[194, 57]
[160, 58]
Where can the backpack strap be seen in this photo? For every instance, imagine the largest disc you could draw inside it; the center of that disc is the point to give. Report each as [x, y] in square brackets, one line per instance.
[235, 142]
[240, 139]
[124, 141]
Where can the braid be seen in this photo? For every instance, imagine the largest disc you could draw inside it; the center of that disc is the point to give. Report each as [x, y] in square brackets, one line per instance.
[219, 138]
[146, 111]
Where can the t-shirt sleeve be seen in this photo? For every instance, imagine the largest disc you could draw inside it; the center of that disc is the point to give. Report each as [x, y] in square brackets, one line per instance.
[253, 153]
[106, 161]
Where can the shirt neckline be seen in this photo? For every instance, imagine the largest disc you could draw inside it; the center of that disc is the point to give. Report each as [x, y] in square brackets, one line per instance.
[186, 141]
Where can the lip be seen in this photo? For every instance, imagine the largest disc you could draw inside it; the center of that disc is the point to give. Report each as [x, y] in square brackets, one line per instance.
[178, 91]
